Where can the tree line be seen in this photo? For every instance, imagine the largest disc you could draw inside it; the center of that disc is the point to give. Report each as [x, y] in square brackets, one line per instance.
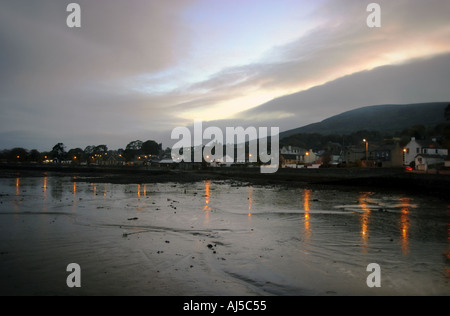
[91, 153]
[318, 141]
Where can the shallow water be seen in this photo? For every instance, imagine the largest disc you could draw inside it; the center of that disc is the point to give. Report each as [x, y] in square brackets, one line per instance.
[218, 238]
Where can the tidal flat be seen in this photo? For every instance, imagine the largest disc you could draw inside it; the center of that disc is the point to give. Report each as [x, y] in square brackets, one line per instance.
[218, 237]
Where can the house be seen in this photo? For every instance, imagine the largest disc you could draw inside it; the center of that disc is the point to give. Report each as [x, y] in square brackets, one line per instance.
[310, 157]
[447, 162]
[290, 156]
[354, 154]
[113, 159]
[424, 162]
[167, 163]
[288, 150]
[294, 157]
[427, 147]
[388, 156]
[289, 160]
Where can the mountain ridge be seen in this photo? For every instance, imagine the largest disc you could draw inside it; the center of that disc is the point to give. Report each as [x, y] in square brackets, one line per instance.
[384, 118]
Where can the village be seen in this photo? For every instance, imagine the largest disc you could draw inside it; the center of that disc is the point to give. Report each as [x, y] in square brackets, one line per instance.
[418, 155]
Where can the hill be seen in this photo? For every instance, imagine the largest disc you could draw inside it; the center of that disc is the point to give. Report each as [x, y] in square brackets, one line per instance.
[387, 118]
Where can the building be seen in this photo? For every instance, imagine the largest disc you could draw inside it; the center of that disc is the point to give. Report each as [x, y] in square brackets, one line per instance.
[424, 162]
[388, 156]
[295, 157]
[291, 150]
[353, 154]
[427, 147]
[291, 156]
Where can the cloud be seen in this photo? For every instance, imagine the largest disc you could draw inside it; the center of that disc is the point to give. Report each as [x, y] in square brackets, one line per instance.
[420, 80]
[135, 68]
[340, 45]
[71, 80]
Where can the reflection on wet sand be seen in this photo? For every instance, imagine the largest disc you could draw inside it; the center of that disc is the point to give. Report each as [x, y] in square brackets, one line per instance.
[250, 202]
[45, 187]
[74, 189]
[364, 219]
[306, 207]
[207, 207]
[17, 186]
[404, 224]
[282, 227]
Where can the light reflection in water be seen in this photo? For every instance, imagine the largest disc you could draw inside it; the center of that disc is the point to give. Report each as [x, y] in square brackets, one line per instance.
[45, 187]
[17, 186]
[306, 207]
[207, 207]
[250, 202]
[404, 224]
[364, 219]
[74, 189]
[141, 191]
[75, 202]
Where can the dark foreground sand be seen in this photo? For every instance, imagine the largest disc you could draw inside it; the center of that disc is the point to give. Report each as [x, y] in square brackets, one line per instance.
[397, 179]
[166, 232]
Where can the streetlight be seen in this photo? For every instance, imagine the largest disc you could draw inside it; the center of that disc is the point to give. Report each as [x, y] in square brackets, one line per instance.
[367, 150]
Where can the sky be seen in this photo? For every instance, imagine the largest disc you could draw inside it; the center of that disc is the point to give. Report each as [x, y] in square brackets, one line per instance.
[137, 69]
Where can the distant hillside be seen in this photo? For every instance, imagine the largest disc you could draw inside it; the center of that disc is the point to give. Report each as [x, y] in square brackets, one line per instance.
[388, 118]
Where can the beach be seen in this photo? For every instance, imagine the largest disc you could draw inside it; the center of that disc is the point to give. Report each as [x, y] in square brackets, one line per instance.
[217, 237]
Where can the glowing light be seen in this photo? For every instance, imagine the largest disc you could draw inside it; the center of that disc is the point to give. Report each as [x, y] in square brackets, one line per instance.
[365, 217]
[207, 208]
[404, 225]
[306, 207]
[17, 186]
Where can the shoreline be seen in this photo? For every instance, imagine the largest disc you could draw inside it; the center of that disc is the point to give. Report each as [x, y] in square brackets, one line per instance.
[398, 180]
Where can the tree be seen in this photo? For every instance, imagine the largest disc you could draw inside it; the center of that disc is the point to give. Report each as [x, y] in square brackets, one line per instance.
[447, 113]
[89, 150]
[18, 155]
[59, 151]
[326, 159]
[133, 148]
[75, 155]
[35, 155]
[151, 147]
[100, 150]
[134, 145]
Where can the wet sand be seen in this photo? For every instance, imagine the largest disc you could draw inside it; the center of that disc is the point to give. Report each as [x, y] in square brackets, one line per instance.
[216, 237]
[380, 179]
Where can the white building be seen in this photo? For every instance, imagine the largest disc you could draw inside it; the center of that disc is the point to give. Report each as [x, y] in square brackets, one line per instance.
[427, 161]
[426, 147]
[291, 150]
